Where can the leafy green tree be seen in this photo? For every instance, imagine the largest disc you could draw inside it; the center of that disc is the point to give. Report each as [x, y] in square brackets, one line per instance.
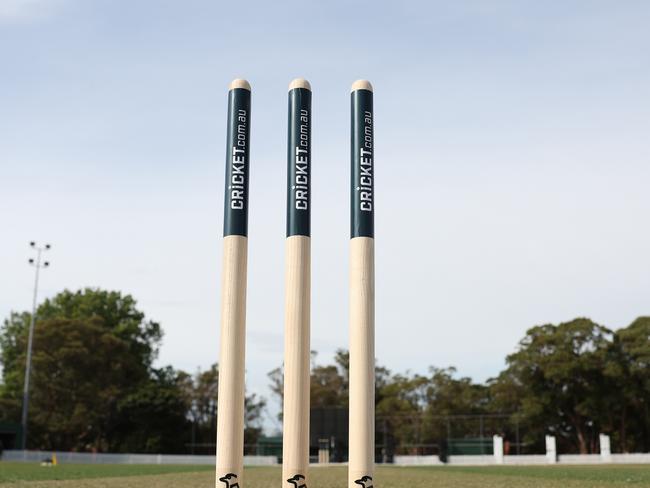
[201, 392]
[631, 375]
[329, 383]
[13, 340]
[399, 401]
[79, 368]
[118, 312]
[448, 396]
[254, 408]
[93, 383]
[91, 349]
[558, 373]
[153, 418]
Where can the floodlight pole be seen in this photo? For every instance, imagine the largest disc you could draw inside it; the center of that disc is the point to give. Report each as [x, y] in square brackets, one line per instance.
[28, 363]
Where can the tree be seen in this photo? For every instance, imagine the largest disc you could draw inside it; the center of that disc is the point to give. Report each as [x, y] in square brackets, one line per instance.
[118, 313]
[13, 340]
[79, 369]
[201, 392]
[91, 350]
[631, 375]
[254, 407]
[399, 405]
[447, 396]
[558, 374]
[328, 383]
[94, 386]
[152, 418]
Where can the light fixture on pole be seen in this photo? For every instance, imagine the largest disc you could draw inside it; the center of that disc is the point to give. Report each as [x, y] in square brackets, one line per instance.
[38, 264]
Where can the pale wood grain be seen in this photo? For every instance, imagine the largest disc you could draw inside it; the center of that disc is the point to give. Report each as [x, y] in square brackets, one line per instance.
[230, 408]
[362, 360]
[361, 85]
[299, 83]
[239, 83]
[295, 450]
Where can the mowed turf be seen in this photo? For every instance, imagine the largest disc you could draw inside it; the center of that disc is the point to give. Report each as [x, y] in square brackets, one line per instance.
[12, 472]
[118, 476]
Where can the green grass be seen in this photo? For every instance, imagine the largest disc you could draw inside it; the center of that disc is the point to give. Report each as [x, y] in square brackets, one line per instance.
[153, 476]
[612, 473]
[10, 472]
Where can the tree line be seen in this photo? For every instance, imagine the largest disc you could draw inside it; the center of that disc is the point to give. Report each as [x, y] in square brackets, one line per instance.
[95, 387]
[573, 380]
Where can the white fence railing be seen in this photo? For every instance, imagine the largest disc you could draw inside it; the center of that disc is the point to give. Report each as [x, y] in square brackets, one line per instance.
[103, 458]
[551, 456]
[478, 460]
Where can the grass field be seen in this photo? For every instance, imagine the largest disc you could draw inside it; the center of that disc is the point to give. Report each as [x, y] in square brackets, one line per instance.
[133, 476]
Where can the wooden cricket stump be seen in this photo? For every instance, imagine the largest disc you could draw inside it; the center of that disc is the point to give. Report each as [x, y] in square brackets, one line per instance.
[230, 403]
[295, 442]
[362, 289]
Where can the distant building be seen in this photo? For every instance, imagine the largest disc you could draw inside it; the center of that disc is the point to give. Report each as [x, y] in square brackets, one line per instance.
[328, 434]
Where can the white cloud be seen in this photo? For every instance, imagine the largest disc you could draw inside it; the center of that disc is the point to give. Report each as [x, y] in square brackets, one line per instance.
[26, 10]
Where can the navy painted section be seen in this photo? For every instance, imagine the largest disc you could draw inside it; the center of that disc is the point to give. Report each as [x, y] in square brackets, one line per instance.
[235, 218]
[299, 163]
[362, 157]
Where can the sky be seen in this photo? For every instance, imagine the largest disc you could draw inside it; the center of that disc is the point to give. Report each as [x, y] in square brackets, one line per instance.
[512, 166]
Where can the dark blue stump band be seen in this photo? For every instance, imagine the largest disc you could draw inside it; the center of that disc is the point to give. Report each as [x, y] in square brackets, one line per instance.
[362, 182]
[235, 218]
[299, 163]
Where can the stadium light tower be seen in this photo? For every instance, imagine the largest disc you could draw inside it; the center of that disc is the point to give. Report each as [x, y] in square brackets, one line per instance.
[38, 264]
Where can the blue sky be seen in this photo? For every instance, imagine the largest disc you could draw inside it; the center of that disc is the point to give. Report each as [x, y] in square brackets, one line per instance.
[512, 165]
